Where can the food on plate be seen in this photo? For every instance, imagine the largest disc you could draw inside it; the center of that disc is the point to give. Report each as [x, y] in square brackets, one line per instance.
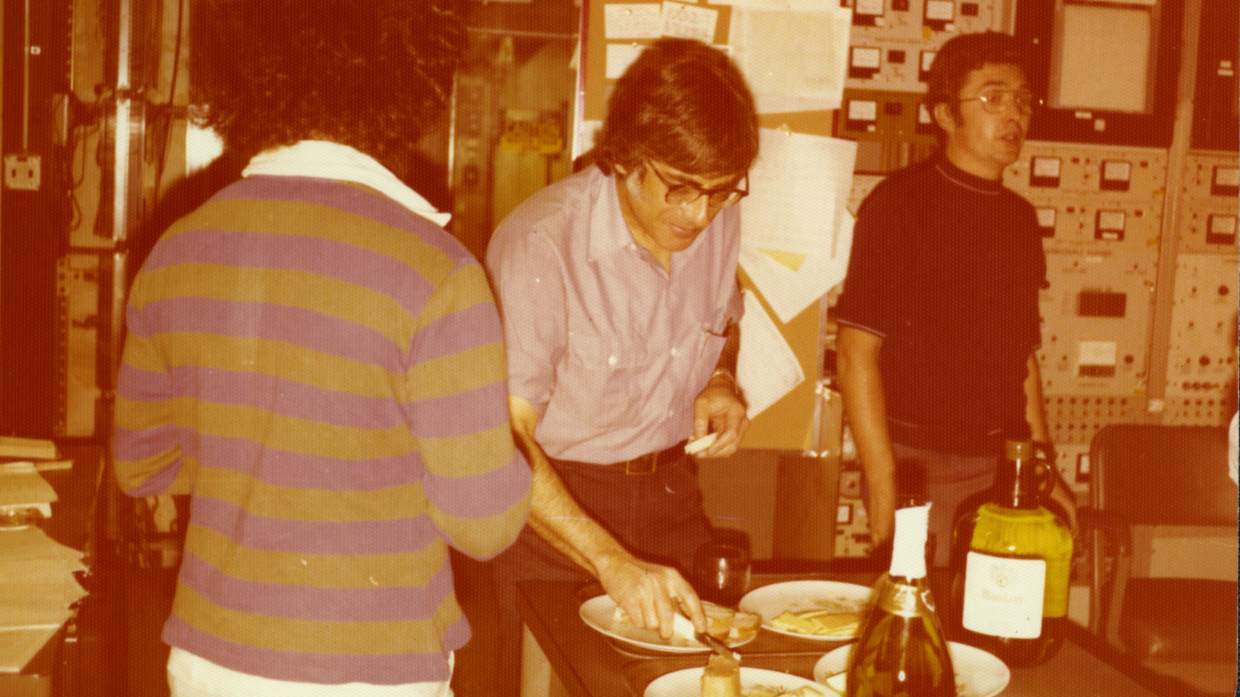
[826, 617]
[722, 677]
[838, 682]
[725, 624]
[764, 691]
[819, 623]
[730, 626]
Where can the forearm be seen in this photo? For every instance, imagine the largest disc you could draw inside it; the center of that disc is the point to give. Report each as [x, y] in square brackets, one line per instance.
[1035, 412]
[863, 402]
[861, 386]
[650, 593]
[557, 518]
[720, 407]
[554, 514]
[731, 349]
[725, 368]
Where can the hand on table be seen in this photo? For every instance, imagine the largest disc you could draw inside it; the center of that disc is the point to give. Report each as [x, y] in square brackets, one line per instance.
[650, 593]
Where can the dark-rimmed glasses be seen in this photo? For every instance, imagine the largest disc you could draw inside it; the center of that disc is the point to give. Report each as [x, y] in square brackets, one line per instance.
[995, 100]
[684, 194]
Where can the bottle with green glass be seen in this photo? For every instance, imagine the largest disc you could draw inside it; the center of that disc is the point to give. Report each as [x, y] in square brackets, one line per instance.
[902, 651]
[1011, 561]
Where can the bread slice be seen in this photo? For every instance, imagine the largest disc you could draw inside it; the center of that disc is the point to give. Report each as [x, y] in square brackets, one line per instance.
[722, 677]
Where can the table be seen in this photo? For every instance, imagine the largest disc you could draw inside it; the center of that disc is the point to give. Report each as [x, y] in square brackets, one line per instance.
[583, 663]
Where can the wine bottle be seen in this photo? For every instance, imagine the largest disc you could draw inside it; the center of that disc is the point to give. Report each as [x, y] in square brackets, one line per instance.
[902, 651]
[1012, 560]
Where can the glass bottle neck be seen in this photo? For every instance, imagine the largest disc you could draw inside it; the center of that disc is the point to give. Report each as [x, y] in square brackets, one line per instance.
[1016, 484]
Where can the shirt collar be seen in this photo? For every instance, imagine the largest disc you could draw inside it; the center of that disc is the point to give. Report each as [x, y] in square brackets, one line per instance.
[609, 233]
[608, 230]
[328, 160]
[959, 177]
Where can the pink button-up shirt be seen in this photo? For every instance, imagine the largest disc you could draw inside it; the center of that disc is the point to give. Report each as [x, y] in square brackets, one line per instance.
[609, 348]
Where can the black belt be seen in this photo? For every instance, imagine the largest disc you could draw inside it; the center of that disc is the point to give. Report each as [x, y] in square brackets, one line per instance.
[643, 464]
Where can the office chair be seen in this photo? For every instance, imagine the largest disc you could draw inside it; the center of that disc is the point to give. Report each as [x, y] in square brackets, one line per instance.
[1161, 530]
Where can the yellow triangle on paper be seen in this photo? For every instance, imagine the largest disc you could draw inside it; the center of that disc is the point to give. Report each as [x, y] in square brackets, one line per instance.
[790, 259]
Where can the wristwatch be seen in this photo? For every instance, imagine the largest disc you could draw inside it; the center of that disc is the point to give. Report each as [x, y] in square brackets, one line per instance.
[726, 373]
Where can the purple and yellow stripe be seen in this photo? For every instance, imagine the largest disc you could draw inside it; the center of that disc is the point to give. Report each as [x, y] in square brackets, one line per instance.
[324, 371]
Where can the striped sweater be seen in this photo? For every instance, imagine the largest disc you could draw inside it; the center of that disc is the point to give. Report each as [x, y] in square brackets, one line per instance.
[323, 371]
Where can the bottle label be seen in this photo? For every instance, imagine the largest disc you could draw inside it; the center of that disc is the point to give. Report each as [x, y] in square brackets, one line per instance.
[1003, 597]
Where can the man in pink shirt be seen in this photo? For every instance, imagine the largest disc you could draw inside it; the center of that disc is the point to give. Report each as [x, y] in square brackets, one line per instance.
[619, 299]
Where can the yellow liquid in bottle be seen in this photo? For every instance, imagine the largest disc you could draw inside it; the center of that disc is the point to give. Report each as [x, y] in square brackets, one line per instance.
[1029, 534]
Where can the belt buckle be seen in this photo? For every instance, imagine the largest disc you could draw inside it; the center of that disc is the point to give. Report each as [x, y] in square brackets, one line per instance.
[646, 464]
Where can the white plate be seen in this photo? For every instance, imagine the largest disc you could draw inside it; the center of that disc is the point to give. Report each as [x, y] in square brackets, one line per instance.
[797, 596]
[978, 673]
[688, 682]
[600, 613]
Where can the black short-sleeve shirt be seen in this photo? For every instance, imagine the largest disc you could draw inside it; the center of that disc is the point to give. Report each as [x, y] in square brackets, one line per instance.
[947, 268]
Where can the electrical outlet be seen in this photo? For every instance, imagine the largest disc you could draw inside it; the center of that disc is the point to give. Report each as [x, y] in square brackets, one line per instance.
[22, 171]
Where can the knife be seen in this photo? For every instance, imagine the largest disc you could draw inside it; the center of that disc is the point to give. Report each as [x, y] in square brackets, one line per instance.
[682, 625]
[718, 646]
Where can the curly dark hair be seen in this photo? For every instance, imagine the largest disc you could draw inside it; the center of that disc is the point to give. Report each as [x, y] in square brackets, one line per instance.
[371, 75]
[965, 53]
[684, 104]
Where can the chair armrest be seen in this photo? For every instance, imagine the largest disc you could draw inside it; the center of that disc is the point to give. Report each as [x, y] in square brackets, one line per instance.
[1111, 525]
[1107, 585]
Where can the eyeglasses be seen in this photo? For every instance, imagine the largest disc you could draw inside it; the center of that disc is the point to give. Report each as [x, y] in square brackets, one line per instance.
[684, 194]
[994, 101]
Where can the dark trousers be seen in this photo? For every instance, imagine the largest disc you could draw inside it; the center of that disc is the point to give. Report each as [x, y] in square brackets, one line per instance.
[658, 517]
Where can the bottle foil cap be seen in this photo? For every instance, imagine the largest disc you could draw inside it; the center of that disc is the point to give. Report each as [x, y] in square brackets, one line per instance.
[908, 551]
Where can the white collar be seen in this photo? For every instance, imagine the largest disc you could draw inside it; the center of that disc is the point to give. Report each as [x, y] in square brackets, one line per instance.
[328, 160]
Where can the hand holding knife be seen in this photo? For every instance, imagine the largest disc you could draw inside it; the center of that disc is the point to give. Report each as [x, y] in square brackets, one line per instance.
[683, 626]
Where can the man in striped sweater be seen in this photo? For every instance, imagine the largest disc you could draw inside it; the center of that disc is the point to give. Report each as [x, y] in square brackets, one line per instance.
[320, 366]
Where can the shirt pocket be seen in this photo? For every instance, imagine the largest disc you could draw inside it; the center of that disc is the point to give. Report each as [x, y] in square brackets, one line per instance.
[599, 380]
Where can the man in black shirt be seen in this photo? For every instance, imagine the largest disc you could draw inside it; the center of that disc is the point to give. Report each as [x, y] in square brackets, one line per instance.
[939, 316]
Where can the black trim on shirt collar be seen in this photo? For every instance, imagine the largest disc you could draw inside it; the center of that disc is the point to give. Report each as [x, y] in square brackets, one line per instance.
[962, 178]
